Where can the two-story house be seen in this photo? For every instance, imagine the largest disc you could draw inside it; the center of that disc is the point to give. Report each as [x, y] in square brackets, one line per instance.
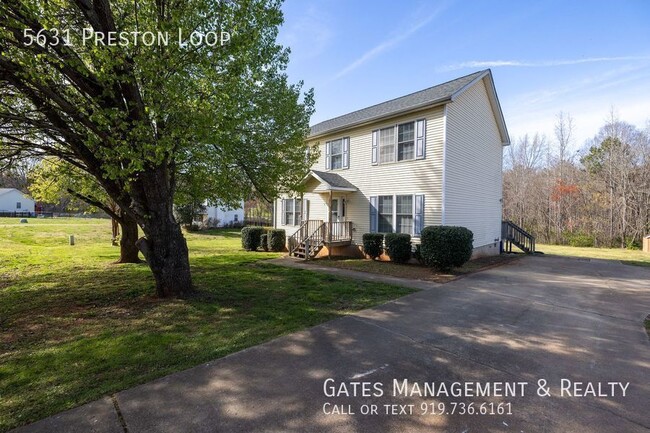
[433, 157]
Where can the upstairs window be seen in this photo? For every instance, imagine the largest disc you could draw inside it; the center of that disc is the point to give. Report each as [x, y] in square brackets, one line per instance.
[337, 154]
[402, 142]
[406, 141]
[386, 145]
[18, 205]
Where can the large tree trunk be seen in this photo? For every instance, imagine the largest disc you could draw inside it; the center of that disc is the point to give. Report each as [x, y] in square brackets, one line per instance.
[163, 246]
[128, 249]
[165, 250]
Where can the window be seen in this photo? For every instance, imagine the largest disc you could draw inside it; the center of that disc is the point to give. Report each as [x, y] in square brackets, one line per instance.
[385, 211]
[336, 154]
[18, 205]
[406, 141]
[402, 142]
[291, 212]
[386, 145]
[236, 218]
[406, 216]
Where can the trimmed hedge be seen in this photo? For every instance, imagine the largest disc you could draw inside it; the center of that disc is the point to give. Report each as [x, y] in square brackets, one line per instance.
[398, 247]
[373, 244]
[277, 240]
[251, 237]
[444, 247]
[264, 241]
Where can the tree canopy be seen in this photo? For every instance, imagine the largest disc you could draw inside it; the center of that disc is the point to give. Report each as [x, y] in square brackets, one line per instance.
[137, 116]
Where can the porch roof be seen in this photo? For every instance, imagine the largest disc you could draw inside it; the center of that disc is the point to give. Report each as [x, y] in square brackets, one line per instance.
[329, 181]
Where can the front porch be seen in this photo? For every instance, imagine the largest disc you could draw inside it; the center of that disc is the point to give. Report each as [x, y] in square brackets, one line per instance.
[333, 229]
[313, 235]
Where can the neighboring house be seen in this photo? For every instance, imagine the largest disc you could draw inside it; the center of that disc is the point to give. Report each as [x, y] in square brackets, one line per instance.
[12, 200]
[433, 157]
[223, 217]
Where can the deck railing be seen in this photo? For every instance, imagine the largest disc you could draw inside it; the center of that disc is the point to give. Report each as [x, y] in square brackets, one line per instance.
[511, 233]
[307, 228]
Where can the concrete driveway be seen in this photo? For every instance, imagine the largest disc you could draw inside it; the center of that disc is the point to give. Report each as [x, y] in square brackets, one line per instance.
[569, 322]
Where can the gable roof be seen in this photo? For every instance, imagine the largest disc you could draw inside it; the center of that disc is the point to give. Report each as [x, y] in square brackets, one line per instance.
[6, 190]
[436, 95]
[330, 181]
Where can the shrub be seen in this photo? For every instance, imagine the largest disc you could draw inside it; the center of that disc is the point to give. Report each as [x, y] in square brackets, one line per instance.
[373, 244]
[277, 239]
[580, 240]
[444, 247]
[251, 238]
[264, 241]
[398, 246]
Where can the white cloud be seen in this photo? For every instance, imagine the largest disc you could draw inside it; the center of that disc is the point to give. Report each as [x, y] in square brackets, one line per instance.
[387, 44]
[536, 64]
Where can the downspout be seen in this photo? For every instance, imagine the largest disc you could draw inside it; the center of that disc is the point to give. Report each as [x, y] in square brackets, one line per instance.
[444, 167]
[329, 230]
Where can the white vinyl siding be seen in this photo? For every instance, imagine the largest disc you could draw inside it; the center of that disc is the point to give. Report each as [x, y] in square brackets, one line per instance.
[473, 164]
[419, 176]
[12, 200]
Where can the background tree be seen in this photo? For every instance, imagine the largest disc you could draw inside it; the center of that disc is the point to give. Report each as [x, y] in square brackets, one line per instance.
[135, 116]
[52, 181]
[601, 198]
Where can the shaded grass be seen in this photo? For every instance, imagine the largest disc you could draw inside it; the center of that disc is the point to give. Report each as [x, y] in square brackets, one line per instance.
[411, 270]
[74, 327]
[627, 257]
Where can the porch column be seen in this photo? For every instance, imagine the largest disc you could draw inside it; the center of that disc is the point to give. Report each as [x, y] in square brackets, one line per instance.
[329, 229]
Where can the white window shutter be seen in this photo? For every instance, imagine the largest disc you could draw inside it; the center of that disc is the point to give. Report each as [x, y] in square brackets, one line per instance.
[327, 156]
[375, 147]
[418, 217]
[420, 138]
[346, 152]
[283, 214]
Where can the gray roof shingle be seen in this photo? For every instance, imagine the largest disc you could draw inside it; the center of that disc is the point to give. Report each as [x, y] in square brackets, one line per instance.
[334, 179]
[431, 95]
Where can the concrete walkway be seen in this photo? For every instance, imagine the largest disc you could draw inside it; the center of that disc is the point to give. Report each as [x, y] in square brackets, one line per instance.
[539, 318]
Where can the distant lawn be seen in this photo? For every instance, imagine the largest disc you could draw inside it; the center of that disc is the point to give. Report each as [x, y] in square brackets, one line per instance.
[413, 271]
[74, 327]
[628, 257]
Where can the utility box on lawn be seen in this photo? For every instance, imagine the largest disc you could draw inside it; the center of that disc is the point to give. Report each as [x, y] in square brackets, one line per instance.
[646, 244]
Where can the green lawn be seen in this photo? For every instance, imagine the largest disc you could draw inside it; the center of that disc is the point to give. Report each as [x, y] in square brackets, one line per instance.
[629, 257]
[75, 327]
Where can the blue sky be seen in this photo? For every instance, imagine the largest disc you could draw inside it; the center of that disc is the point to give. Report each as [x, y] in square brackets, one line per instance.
[580, 57]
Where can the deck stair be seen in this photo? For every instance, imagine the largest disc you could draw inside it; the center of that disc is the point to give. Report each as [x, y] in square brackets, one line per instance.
[313, 235]
[512, 234]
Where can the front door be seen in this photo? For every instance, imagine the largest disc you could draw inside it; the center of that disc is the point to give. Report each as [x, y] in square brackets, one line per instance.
[338, 216]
